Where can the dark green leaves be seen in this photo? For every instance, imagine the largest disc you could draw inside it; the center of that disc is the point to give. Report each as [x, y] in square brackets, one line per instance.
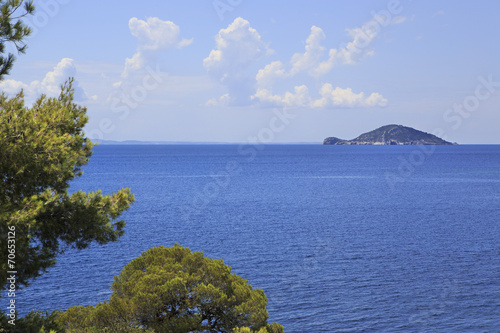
[13, 30]
[42, 148]
[176, 290]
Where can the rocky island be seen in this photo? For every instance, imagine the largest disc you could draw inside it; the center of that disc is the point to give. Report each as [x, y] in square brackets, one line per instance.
[391, 135]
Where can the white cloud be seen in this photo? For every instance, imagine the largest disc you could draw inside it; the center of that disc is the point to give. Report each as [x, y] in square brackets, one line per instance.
[153, 35]
[339, 97]
[267, 75]
[300, 97]
[314, 51]
[50, 85]
[237, 47]
[326, 66]
[12, 87]
[330, 98]
[52, 81]
[312, 60]
[375, 99]
[359, 47]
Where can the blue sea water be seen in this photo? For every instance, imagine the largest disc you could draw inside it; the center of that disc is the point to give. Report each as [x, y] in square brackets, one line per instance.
[340, 238]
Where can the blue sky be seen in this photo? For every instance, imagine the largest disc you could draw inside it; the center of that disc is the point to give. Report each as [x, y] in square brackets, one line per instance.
[269, 71]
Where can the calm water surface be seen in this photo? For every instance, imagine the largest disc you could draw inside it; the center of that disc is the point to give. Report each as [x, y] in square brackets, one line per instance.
[340, 238]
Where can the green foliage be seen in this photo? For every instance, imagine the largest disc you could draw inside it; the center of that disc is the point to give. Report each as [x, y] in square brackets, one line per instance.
[273, 328]
[13, 30]
[33, 322]
[83, 319]
[43, 148]
[176, 290]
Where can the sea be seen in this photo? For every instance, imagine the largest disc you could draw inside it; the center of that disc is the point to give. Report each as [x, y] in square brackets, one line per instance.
[340, 238]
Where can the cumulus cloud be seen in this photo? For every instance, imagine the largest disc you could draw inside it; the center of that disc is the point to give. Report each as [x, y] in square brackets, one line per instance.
[355, 50]
[237, 47]
[313, 60]
[330, 97]
[153, 36]
[269, 74]
[313, 53]
[12, 87]
[300, 97]
[49, 85]
[346, 98]
[309, 61]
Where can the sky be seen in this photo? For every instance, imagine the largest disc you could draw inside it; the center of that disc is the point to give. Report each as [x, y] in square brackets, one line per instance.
[281, 71]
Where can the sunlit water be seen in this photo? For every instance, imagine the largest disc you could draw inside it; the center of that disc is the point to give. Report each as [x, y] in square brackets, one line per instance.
[340, 238]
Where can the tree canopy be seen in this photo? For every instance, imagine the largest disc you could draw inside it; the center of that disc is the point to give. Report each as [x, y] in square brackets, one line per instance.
[13, 30]
[176, 290]
[43, 148]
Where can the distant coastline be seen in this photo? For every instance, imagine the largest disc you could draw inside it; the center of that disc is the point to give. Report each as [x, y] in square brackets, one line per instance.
[391, 135]
[138, 142]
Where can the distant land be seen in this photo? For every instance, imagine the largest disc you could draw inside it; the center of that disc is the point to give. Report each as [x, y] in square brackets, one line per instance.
[138, 142]
[391, 135]
[385, 135]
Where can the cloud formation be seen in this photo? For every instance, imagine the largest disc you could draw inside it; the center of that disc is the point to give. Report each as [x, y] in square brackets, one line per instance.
[300, 98]
[237, 47]
[153, 36]
[314, 63]
[312, 55]
[50, 85]
[330, 97]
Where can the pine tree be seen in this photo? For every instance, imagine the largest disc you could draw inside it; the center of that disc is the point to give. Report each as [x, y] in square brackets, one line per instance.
[175, 290]
[13, 30]
[43, 148]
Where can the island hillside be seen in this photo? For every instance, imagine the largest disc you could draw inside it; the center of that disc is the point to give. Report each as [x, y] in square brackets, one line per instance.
[391, 135]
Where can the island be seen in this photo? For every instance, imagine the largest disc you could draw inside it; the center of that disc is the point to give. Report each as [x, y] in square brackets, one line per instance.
[391, 135]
